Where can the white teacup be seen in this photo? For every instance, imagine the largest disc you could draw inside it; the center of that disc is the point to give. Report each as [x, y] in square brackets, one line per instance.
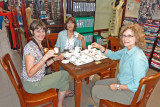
[89, 47]
[68, 54]
[94, 50]
[78, 49]
[76, 34]
[56, 50]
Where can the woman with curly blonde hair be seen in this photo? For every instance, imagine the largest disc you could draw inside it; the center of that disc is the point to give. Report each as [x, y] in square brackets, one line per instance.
[138, 33]
[132, 67]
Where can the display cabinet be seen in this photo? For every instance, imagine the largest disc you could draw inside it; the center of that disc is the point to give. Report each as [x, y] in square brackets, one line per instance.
[49, 11]
[83, 11]
[83, 8]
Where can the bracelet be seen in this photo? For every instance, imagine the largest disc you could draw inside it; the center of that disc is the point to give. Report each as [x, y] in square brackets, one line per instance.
[104, 50]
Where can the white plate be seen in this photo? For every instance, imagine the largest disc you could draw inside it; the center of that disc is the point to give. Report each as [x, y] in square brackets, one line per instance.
[65, 61]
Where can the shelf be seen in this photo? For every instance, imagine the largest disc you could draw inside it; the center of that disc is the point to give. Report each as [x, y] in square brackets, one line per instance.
[157, 51]
[55, 26]
[149, 42]
[154, 68]
[83, 8]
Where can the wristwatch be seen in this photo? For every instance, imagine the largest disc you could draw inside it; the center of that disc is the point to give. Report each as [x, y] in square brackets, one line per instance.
[118, 86]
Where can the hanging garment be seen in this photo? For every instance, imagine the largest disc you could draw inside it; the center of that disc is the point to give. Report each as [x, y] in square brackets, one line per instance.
[158, 4]
[146, 10]
[1, 4]
[5, 5]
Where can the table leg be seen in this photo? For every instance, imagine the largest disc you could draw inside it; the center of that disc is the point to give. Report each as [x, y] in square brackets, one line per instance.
[78, 86]
[113, 72]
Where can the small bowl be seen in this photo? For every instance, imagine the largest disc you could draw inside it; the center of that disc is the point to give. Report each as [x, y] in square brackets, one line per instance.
[65, 61]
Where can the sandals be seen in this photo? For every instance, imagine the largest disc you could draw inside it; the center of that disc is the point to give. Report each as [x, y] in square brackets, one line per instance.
[70, 94]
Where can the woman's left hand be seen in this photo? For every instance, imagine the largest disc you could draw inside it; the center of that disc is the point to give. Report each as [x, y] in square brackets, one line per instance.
[80, 37]
[113, 87]
[60, 57]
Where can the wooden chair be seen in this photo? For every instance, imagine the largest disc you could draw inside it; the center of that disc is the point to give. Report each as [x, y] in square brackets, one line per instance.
[49, 97]
[113, 43]
[149, 82]
[51, 40]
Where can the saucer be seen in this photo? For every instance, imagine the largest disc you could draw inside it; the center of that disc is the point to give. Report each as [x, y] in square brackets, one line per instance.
[65, 61]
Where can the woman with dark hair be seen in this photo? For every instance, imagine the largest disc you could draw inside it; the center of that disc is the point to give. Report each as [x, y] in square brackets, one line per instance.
[35, 62]
[67, 39]
[132, 67]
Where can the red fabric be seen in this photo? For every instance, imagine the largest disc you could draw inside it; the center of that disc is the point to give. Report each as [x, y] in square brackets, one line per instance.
[1, 4]
[137, 0]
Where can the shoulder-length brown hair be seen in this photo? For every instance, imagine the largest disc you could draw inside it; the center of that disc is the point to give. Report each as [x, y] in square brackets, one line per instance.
[73, 21]
[138, 33]
[37, 24]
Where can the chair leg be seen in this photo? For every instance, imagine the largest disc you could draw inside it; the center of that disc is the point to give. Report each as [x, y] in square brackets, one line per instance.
[87, 80]
[101, 104]
[101, 77]
[55, 102]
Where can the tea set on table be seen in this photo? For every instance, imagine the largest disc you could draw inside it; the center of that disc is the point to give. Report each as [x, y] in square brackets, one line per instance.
[81, 57]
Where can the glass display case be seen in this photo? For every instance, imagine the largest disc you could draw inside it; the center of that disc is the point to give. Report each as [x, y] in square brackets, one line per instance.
[49, 11]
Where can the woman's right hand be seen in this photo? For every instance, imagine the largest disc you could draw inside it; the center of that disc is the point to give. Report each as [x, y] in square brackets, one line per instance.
[49, 54]
[96, 45]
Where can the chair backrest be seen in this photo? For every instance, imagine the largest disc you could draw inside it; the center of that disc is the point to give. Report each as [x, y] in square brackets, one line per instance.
[150, 83]
[9, 67]
[113, 43]
[51, 40]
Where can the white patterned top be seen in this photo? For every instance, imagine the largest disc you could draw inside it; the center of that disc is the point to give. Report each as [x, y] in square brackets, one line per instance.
[32, 49]
[69, 44]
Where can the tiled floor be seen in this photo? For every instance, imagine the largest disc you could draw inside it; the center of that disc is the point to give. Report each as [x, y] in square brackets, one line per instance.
[9, 98]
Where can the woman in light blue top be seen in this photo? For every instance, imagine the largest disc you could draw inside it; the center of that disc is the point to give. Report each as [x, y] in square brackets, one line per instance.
[132, 67]
[68, 39]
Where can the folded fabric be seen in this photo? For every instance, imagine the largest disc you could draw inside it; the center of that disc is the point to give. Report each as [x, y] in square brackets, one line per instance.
[155, 65]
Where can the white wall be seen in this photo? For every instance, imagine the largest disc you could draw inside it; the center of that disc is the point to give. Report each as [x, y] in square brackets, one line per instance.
[102, 14]
[132, 8]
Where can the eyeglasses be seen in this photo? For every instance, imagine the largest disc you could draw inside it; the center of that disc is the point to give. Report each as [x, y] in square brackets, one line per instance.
[127, 36]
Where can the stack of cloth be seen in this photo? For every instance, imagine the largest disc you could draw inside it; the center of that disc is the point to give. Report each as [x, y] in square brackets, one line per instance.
[156, 56]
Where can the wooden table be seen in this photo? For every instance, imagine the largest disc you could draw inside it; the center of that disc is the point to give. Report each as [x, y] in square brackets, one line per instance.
[84, 71]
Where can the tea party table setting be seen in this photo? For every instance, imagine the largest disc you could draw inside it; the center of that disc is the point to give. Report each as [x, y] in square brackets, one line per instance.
[80, 57]
[82, 71]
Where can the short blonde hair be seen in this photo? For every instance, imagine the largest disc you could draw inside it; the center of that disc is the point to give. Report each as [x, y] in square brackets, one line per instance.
[138, 33]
